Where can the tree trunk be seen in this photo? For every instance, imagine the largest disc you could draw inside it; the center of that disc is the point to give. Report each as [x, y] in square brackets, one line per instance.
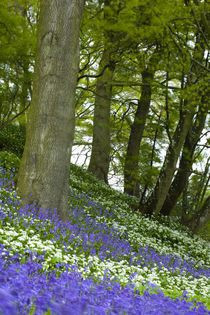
[100, 154]
[181, 179]
[200, 218]
[143, 194]
[158, 196]
[131, 169]
[25, 92]
[160, 192]
[203, 184]
[43, 177]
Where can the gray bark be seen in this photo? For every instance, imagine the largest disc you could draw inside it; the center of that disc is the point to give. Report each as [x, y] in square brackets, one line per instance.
[44, 171]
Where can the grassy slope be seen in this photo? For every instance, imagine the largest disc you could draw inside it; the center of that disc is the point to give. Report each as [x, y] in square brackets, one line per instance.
[163, 253]
[165, 236]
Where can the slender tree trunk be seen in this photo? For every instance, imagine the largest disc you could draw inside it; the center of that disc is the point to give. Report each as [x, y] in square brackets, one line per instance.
[181, 179]
[25, 92]
[157, 198]
[44, 171]
[206, 184]
[131, 169]
[160, 192]
[200, 218]
[26, 85]
[143, 194]
[185, 204]
[203, 183]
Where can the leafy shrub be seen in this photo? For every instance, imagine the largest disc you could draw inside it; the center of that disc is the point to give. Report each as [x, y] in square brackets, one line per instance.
[9, 161]
[12, 138]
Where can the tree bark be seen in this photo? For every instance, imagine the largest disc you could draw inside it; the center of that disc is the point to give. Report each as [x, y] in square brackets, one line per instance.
[158, 196]
[181, 179]
[160, 192]
[131, 169]
[43, 177]
[100, 154]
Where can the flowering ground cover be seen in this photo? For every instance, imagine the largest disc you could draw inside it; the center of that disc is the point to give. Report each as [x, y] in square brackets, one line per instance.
[107, 259]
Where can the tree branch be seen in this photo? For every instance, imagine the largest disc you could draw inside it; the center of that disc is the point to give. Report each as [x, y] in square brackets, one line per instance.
[13, 118]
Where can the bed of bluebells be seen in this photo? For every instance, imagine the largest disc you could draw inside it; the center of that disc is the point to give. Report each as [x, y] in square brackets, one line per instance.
[107, 259]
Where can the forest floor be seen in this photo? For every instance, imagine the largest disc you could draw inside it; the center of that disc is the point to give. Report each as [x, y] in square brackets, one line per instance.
[108, 259]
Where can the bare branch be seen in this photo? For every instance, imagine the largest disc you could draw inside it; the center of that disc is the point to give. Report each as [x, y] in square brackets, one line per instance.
[13, 118]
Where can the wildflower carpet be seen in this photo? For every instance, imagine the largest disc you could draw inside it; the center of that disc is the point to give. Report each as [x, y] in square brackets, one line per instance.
[107, 259]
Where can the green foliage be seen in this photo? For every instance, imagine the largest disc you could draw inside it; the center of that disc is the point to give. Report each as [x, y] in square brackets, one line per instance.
[18, 29]
[18, 43]
[204, 232]
[83, 182]
[12, 139]
[9, 161]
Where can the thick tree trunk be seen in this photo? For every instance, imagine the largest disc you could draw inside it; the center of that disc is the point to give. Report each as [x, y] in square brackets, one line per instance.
[44, 172]
[100, 155]
[181, 179]
[131, 169]
[158, 196]
[101, 147]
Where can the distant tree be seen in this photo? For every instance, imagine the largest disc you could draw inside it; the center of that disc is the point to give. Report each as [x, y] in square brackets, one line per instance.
[44, 171]
[194, 71]
[131, 166]
[100, 154]
[181, 178]
[196, 221]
